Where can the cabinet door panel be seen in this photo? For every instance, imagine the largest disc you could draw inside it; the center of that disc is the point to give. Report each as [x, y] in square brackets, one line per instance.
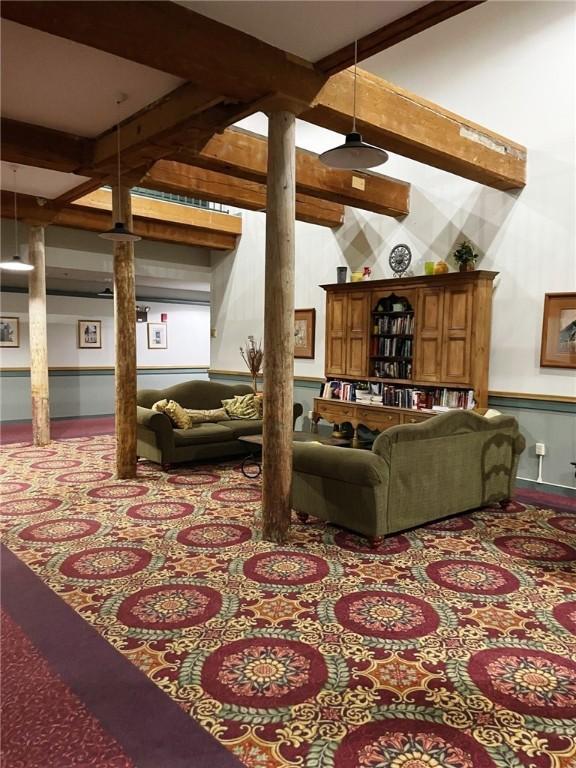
[358, 333]
[336, 319]
[456, 350]
[429, 337]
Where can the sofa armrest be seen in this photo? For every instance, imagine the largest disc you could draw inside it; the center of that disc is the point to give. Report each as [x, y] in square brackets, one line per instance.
[350, 465]
[154, 420]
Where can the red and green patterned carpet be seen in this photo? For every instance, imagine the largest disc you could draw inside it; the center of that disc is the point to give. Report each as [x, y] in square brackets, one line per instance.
[452, 646]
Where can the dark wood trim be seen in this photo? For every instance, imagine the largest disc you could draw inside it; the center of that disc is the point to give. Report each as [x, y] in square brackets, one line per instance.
[390, 34]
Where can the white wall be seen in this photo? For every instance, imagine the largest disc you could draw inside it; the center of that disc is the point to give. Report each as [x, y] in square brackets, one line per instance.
[188, 333]
[510, 66]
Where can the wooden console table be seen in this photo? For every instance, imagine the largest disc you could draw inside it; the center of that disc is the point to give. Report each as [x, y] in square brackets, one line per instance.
[371, 415]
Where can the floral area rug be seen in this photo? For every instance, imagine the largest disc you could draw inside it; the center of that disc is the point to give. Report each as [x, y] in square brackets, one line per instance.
[452, 646]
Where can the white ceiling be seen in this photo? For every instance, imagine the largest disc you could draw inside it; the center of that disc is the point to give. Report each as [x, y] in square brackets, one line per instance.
[310, 29]
[37, 181]
[50, 81]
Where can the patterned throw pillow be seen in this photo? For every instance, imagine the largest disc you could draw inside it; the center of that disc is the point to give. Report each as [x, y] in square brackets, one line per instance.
[210, 415]
[242, 407]
[174, 411]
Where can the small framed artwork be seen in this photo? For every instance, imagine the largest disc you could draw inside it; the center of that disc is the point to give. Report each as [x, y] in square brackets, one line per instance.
[304, 330]
[157, 336]
[9, 332]
[90, 334]
[558, 348]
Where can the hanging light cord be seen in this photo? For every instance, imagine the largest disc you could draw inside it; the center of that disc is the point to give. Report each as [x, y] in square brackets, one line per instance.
[354, 101]
[15, 215]
[118, 155]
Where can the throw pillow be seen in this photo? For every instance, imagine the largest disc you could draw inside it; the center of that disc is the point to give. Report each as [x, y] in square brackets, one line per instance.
[242, 407]
[174, 411]
[203, 416]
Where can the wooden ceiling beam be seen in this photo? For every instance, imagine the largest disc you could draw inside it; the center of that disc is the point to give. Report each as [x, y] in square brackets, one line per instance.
[98, 219]
[42, 147]
[182, 179]
[162, 210]
[245, 155]
[403, 123]
[393, 33]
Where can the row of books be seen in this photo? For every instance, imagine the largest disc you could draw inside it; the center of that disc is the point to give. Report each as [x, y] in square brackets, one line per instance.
[394, 324]
[392, 346]
[399, 397]
[339, 390]
[386, 370]
[440, 397]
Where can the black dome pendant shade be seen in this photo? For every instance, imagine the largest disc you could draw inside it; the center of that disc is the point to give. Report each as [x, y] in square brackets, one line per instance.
[119, 234]
[354, 154]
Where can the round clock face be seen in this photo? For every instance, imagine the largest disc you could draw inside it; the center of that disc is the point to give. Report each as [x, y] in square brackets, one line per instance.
[400, 258]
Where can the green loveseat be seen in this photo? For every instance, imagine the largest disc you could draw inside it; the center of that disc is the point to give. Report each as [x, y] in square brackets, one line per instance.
[414, 474]
[159, 441]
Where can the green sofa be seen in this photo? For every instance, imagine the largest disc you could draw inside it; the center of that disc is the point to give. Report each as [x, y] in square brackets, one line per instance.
[415, 473]
[159, 441]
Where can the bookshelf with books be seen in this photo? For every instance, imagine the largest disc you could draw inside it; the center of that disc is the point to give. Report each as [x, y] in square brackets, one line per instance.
[408, 347]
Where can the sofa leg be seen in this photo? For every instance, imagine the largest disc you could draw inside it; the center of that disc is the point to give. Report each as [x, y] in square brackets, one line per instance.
[166, 467]
[375, 541]
[302, 516]
[508, 505]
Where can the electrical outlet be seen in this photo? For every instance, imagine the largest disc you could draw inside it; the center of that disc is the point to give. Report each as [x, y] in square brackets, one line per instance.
[540, 449]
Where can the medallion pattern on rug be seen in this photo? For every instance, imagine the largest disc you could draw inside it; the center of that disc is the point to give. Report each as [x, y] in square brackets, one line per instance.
[451, 646]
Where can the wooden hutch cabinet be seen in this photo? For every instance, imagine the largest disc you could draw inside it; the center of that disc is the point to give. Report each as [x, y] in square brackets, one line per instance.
[427, 335]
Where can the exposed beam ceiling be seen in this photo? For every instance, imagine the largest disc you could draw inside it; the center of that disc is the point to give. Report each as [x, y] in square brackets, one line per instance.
[170, 176]
[172, 39]
[394, 32]
[245, 155]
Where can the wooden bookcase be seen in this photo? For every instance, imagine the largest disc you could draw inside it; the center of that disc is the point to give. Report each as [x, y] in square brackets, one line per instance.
[418, 332]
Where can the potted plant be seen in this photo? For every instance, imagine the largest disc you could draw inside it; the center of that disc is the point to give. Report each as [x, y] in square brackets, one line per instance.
[465, 257]
[253, 355]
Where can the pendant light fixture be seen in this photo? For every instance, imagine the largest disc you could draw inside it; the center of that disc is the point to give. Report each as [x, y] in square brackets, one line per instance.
[354, 154]
[15, 264]
[119, 232]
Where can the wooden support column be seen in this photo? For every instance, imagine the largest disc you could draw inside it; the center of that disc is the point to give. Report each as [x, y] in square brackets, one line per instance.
[125, 341]
[279, 327]
[38, 336]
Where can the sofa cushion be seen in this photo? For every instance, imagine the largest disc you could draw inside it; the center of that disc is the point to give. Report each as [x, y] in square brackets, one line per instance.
[202, 433]
[242, 407]
[174, 411]
[241, 427]
[206, 415]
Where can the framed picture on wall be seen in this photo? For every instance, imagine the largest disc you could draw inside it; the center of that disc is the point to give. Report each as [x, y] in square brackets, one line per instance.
[304, 330]
[558, 348]
[90, 334]
[9, 332]
[157, 336]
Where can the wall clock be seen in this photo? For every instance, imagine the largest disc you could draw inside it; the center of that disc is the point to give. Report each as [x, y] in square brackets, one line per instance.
[399, 260]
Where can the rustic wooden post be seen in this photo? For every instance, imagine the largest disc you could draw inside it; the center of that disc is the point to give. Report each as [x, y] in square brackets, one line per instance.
[38, 336]
[125, 340]
[279, 327]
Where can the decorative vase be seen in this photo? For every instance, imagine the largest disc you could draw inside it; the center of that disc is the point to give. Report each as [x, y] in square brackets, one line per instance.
[356, 277]
[466, 266]
[440, 268]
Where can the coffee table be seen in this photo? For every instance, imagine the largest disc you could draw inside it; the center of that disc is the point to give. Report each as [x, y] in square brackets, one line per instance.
[254, 459]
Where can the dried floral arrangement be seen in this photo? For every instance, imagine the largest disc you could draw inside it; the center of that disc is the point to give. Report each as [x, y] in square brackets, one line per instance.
[252, 354]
